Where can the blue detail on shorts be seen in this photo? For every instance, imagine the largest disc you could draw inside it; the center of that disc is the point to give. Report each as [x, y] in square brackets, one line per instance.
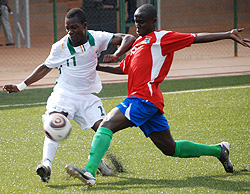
[143, 114]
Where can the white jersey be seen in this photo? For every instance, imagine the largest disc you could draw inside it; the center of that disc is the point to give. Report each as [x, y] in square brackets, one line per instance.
[77, 65]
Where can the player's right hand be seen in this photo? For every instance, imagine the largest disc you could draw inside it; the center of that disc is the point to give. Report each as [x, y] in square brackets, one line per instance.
[10, 88]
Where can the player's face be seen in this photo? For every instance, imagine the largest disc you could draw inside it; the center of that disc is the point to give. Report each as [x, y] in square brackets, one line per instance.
[144, 24]
[76, 30]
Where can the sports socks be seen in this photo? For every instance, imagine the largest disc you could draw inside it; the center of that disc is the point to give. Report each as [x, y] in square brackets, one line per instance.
[188, 149]
[100, 145]
[49, 151]
[183, 149]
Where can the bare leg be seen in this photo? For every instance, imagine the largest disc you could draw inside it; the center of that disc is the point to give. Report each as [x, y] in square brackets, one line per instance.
[164, 141]
[96, 125]
[116, 121]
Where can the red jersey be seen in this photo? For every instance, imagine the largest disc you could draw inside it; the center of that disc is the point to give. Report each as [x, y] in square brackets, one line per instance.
[149, 62]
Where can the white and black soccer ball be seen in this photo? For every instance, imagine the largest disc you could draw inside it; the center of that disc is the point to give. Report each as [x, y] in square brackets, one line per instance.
[57, 127]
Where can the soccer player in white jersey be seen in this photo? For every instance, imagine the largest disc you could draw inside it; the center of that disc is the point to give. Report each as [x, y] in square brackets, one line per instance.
[147, 65]
[76, 57]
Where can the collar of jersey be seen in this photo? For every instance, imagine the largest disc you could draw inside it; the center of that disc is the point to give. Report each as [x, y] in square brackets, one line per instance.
[72, 49]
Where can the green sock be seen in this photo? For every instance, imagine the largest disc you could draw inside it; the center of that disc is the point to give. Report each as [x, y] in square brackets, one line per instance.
[100, 145]
[187, 149]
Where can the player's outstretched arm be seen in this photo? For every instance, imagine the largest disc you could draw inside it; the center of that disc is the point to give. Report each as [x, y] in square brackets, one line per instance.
[37, 74]
[125, 40]
[110, 69]
[234, 34]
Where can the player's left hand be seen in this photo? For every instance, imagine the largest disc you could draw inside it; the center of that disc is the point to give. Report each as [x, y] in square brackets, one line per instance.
[238, 38]
[110, 58]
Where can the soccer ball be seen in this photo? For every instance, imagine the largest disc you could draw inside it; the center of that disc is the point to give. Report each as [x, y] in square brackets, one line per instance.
[57, 127]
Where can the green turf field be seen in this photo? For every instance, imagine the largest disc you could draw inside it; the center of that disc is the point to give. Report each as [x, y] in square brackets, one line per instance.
[29, 96]
[201, 116]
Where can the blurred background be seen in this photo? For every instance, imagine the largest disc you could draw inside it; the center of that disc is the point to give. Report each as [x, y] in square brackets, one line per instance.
[37, 24]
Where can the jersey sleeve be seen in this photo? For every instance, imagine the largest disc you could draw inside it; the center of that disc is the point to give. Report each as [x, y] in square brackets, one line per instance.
[174, 41]
[55, 57]
[103, 40]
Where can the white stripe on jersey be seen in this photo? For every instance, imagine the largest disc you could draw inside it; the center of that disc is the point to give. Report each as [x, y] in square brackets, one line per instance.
[157, 58]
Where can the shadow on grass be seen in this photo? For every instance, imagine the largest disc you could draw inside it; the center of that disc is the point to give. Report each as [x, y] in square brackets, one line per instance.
[216, 182]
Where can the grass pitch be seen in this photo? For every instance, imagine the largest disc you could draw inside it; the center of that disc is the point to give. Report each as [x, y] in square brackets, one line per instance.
[204, 117]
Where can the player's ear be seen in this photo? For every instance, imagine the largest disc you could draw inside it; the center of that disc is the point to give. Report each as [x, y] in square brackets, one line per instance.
[85, 24]
[154, 21]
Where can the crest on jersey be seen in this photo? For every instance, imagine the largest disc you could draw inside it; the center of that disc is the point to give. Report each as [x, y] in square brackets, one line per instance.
[147, 40]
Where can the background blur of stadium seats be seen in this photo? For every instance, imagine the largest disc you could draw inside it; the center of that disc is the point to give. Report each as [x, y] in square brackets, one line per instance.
[176, 15]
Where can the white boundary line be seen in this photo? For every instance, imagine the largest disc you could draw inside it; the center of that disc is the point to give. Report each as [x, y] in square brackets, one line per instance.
[178, 92]
[204, 90]
[12, 105]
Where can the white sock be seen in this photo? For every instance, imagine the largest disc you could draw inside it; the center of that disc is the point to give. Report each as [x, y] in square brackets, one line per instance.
[49, 151]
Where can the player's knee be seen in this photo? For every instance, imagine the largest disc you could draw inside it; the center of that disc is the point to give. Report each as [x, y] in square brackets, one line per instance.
[168, 152]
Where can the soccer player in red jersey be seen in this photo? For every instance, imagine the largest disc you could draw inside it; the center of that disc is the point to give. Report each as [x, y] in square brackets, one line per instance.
[147, 65]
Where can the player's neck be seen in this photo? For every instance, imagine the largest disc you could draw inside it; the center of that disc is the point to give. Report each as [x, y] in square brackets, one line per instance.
[79, 43]
[149, 32]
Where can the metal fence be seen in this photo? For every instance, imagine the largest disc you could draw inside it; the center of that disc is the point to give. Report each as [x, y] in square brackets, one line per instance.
[111, 15]
[207, 16]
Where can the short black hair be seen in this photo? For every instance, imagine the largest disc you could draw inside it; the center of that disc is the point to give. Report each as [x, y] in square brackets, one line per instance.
[78, 12]
[149, 9]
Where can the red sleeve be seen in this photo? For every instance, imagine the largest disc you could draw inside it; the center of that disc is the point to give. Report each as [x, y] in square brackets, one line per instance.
[124, 65]
[174, 41]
